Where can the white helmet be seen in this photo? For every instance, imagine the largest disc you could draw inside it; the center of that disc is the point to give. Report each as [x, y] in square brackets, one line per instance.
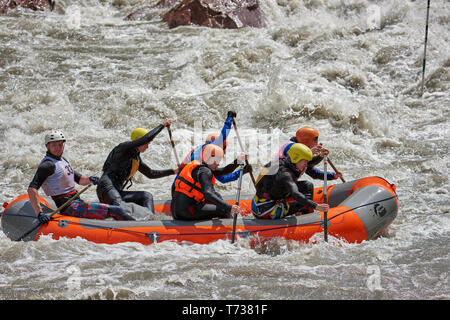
[54, 135]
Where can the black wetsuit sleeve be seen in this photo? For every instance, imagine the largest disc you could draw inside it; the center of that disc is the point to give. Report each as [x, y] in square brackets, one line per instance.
[45, 170]
[290, 185]
[76, 177]
[154, 174]
[144, 140]
[205, 178]
[229, 168]
[315, 161]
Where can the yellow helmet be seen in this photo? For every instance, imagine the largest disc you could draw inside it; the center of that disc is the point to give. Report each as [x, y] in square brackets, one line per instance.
[299, 151]
[138, 133]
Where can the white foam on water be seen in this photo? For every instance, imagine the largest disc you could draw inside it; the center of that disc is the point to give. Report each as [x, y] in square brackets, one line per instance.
[352, 69]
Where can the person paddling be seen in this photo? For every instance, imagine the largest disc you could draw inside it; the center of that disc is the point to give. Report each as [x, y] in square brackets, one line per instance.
[194, 197]
[310, 137]
[233, 176]
[221, 141]
[121, 165]
[278, 181]
[57, 178]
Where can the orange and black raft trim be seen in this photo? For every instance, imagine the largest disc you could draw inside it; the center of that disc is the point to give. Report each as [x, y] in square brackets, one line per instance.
[359, 210]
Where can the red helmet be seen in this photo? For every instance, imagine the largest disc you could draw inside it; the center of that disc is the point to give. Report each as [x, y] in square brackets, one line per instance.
[307, 136]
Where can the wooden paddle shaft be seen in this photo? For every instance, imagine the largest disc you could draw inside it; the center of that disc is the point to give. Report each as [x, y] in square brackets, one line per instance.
[173, 146]
[334, 168]
[76, 195]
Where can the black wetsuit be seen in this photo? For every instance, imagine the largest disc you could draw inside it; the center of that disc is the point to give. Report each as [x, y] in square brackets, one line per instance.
[283, 184]
[117, 169]
[186, 208]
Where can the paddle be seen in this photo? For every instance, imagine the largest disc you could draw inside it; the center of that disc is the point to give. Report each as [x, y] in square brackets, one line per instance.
[242, 149]
[173, 145]
[55, 212]
[325, 213]
[425, 49]
[238, 195]
[334, 168]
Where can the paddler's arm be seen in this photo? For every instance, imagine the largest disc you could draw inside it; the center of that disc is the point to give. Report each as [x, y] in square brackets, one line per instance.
[234, 175]
[148, 137]
[33, 194]
[290, 184]
[205, 178]
[85, 180]
[225, 129]
[155, 174]
[319, 174]
[300, 197]
[315, 160]
[229, 168]
[45, 169]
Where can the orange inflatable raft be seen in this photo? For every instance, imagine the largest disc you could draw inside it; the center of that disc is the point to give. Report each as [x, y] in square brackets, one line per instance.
[359, 210]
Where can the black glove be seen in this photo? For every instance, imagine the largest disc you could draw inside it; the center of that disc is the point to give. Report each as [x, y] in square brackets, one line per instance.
[231, 114]
[247, 168]
[43, 218]
[94, 180]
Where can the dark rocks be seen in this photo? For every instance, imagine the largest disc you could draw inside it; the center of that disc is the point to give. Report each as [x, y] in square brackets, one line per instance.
[35, 5]
[225, 14]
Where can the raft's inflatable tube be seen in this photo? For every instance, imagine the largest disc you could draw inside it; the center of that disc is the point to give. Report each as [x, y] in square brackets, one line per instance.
[359, 210]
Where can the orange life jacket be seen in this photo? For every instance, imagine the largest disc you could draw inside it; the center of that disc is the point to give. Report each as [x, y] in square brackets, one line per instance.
[187, 185]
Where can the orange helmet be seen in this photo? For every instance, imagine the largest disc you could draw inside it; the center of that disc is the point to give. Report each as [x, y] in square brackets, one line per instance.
[214, 136]
[212, 152]
[307, 136]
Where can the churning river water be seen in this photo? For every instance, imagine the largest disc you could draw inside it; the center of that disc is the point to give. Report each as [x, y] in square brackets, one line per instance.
[350, 68]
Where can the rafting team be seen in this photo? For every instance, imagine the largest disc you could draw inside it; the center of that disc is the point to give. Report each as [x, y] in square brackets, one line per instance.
[278, 190]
